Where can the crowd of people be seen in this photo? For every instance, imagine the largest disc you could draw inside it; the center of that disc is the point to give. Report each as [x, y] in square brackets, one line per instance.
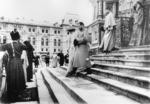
[19, 55]
[59, 59]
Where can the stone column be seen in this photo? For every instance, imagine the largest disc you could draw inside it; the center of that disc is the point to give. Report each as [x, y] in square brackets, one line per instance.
[98, 9]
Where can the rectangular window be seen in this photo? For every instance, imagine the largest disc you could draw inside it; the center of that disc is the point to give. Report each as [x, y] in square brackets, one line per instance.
[33, 30]
[42, 49]
[55, 32]
[58, 32]
[46, 49]
[54, 50]
[42, 30]
[46, 31]
[29, 29]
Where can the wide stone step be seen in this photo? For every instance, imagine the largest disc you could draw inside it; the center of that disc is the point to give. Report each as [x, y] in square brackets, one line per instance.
[138, 94]
[130, 51]
[88, 91]
[43, 92]
[60, 93]
[123, 56]
[138, 63]
[139, 81]
[138, 71]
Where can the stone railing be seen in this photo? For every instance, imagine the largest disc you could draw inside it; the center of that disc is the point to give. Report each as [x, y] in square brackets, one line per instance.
[124, 29]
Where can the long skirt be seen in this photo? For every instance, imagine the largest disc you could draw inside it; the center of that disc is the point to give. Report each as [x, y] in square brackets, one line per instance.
[25, 72]
[54, 62]
[15, 76]
[30, 71]
[71, 59]
[108, 41]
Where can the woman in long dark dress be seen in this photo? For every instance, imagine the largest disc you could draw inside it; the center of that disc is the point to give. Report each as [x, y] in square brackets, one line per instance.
[30, 60]
[15, 74]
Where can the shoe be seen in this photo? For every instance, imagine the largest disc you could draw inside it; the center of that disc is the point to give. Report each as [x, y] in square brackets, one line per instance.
[76, 75]
[115, 49]
[69, 75]
[89, 72]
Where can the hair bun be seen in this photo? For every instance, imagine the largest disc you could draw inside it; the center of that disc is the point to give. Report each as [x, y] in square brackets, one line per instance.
[15, 35]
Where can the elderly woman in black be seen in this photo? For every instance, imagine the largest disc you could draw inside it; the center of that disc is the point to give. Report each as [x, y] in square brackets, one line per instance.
[30, 60]
[15, 74]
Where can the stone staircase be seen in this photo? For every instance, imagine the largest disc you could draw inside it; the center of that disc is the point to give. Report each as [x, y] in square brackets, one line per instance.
[84, 91]
[50, 91]
[126, 72]
[119, 77]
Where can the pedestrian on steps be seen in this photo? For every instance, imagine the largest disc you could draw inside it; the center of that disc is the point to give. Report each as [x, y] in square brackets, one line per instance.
[14, 73]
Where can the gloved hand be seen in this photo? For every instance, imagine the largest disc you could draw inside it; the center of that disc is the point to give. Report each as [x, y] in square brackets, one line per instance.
[102, 28]
[75, 42]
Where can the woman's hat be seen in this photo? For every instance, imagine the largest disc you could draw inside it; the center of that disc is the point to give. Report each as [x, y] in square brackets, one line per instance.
[15, 35]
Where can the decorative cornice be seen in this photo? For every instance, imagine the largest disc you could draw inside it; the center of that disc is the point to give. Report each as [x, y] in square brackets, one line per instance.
[96, 21]
[36, 25]
[147, 2]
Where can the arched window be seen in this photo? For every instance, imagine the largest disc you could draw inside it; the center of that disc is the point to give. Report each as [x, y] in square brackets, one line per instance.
[46, 42]
[59, 42]
[29, 39]
[4, 39]
[55, 42]
[42, 41]
[33, 41]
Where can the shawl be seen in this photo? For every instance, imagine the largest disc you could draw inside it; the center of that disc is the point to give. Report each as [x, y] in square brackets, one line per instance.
[109, 21]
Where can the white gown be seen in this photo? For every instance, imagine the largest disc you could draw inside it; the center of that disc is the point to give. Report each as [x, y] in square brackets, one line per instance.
[54, 61]
[25, 63]
[1, 67]
[71, 51]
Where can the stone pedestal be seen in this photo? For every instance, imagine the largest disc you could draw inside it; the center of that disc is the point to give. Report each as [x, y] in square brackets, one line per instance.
[96, 35]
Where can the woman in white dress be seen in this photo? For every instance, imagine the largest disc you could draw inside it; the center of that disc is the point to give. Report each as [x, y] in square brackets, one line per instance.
[1, 66]
[72, 48]
[25, 63]
[54, 60]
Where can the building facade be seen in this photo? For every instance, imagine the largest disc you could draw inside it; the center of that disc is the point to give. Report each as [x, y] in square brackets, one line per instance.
[125, 17]
[45, 37]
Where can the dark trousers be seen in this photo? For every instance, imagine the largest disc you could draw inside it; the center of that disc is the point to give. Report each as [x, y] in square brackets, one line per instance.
[36, 66]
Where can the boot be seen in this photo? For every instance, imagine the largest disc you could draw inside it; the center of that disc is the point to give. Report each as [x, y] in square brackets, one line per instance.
[88, 70]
